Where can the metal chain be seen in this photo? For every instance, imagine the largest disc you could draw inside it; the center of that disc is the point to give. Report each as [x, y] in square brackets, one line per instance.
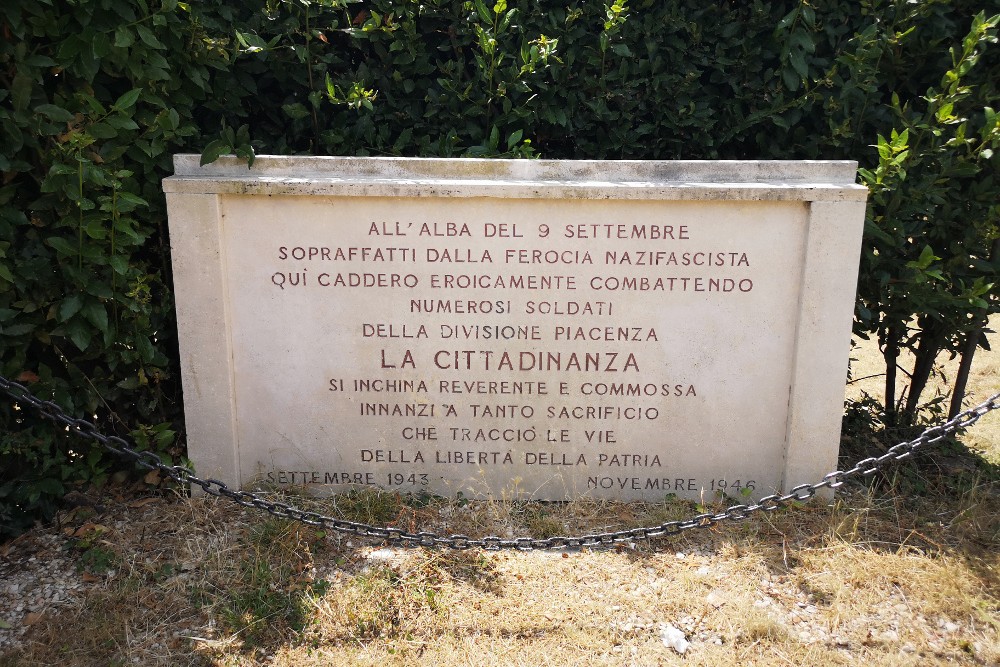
[802, 492]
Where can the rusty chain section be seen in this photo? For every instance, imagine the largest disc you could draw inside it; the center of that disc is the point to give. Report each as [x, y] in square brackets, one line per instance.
[802, 492]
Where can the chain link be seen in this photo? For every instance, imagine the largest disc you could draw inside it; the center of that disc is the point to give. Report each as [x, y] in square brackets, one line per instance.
[183, 475]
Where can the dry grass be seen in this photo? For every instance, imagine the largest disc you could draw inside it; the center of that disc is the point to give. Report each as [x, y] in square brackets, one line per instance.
[905, 572]
[213, 585]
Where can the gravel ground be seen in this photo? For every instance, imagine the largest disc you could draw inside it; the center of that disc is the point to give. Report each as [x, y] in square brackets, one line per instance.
[39, 576]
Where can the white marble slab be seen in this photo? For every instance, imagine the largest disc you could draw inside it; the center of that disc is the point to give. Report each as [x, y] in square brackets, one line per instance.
[548, 329]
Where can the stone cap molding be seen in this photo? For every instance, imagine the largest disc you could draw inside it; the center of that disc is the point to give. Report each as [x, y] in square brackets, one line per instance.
[735, 180]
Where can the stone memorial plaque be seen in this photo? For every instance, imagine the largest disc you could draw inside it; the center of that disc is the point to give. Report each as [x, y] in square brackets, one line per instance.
[543, 329]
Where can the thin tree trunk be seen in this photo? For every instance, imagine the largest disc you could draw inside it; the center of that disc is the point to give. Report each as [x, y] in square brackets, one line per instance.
[969, 350]
[889, 354]
[962, 378]
[927, 351]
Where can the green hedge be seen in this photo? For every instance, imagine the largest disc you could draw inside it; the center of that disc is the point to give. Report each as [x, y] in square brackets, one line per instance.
[96, 95]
